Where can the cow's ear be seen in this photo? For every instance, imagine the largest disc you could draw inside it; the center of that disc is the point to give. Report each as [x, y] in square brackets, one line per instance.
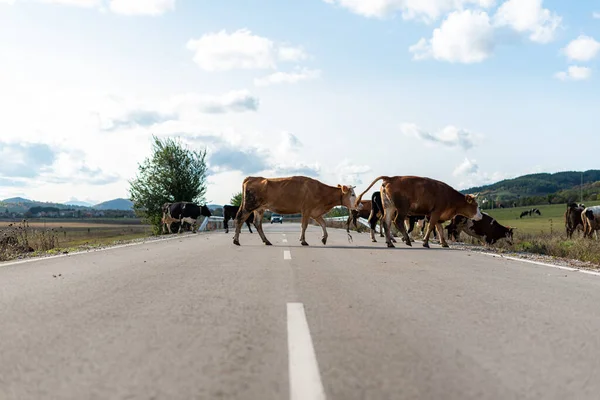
[469, 198]
[345, 189]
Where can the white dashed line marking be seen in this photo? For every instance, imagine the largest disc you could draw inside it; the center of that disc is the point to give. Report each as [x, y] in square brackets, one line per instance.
[284, 240]
[287, 255]
[305, 379]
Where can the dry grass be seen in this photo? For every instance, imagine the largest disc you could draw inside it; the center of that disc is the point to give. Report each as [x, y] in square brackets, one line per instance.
[21, 238]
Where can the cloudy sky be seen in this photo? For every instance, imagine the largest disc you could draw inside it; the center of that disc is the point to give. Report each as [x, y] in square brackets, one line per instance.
[465, 91]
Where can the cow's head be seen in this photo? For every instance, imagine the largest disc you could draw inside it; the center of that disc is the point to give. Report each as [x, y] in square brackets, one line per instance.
[509, 235]
[349, 197]
[205, 211]
[165, 208]
[472, 210]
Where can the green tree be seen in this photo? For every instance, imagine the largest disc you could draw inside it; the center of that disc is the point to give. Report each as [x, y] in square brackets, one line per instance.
[172, 173]
[236, 200]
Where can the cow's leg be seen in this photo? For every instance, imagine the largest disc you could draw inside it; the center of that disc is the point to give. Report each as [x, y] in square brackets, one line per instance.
[400, 225]
[226, 223]
[381, 227]
[249, 228]
[258, 219]
[348, 222]
[305, 219]
[240, 217]
[373, 224]
[433, 219]
[321, 221]
[440, 231]
[388, 213]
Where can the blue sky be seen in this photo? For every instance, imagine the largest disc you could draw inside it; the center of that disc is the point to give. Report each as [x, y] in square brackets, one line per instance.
[465, 91]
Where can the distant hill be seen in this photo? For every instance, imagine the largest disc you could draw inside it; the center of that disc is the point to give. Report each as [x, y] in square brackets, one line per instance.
[16, 200]
[21, 205]
[116, 204]
[559, 187]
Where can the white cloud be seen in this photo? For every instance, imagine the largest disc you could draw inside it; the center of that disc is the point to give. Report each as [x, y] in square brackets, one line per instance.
[596, 15]
[138, 7]
[222, 51]
[450, 136]
[290, 53]
[131, 113]
[289, 143]
[528, 16]
[425, 10]
[76, 3]
[584, 48]
[9, 2]
[298, 75]
[350, 173]
[465, 37]
[467, 167]
[574, 73]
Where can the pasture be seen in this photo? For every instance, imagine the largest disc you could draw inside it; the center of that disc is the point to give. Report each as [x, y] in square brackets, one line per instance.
[61, 234]
[551, 221]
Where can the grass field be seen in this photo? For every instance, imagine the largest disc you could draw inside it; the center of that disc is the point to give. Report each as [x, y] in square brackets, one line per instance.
[54, 235]
[551, 221]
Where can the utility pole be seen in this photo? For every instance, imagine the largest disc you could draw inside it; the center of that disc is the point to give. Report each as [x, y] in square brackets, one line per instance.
[581, 190]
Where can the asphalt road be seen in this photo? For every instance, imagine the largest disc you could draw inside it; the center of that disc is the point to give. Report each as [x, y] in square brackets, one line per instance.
[196, 317]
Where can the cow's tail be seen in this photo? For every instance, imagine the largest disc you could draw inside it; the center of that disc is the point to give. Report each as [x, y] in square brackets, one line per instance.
[369, 188]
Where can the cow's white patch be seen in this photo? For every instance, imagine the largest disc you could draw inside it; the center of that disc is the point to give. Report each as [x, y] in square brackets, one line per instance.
[478, 216]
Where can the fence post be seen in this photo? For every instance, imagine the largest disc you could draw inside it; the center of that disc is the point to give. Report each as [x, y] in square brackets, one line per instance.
[551, 226]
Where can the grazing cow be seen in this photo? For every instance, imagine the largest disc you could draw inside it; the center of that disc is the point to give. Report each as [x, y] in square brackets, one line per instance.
[591, 221]
[291, 195]
[414, 195]
[536, 211]
[573, 219]
[229, 212]
[487, 230]
[183, 211]
[525, 213]
[364, 212]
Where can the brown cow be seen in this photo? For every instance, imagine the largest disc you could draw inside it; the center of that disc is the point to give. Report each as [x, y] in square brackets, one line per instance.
[414, 195]
[291, 195]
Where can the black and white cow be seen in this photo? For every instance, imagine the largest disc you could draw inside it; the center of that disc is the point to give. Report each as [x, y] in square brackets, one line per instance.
[183, 211]
[487, 230]
[229, 212]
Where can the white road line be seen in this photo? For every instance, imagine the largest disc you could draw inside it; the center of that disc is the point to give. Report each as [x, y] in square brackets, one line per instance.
[287, 255]
[585, 271]
[284, 240]
[305, 379]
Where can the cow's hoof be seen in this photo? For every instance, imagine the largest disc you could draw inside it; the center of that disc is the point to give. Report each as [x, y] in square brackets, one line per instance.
[394, 240]
[267, 243]
[409, 243]
[324, 241]
[374, 241]
[304, 243]
[236, 242]
[390, 245]
[445, 245]
[426, 244]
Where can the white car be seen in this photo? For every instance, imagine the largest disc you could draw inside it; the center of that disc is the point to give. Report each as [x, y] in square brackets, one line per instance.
[276, 218]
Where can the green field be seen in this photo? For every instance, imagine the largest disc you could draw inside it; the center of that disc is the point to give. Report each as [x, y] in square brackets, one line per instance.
[552, 219]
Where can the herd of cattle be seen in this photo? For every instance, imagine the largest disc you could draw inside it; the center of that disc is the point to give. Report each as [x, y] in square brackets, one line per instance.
[400, 200]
